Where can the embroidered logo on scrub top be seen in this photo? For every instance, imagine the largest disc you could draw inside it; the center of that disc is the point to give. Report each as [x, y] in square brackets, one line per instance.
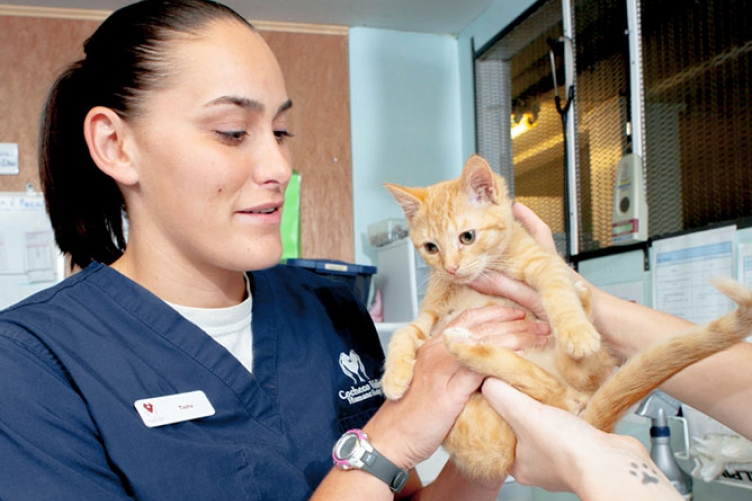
[363, 387]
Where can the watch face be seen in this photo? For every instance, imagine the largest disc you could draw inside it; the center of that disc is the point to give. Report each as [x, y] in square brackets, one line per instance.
[346, 446]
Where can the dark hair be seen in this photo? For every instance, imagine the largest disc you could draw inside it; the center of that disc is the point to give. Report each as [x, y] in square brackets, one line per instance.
[124, 58]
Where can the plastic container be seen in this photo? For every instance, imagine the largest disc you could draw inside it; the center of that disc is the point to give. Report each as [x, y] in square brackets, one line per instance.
[387, 231]
[357, 276]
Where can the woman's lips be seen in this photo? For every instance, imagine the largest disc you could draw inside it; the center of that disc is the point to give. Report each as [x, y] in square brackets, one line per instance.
[268, 213]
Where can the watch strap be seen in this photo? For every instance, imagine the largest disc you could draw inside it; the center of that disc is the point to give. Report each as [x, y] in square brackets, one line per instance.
[383, 469]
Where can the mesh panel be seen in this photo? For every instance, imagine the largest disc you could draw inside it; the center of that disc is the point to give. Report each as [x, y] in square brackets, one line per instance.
[697, 61]
[533, 161]
[602, 89]
[539, 152]
[538, 155]
[492, 106]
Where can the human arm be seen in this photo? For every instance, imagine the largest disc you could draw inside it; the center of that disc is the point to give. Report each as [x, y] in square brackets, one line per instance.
[560, 452]
[410, 430]
[717, 386]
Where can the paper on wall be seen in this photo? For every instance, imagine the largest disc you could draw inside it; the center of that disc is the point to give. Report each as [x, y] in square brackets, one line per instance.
[683, 267]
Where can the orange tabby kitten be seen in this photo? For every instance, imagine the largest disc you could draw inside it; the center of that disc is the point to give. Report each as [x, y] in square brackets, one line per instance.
[465, 227]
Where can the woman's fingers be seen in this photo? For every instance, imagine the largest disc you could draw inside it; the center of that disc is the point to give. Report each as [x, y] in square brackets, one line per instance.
[515, 335]
[499, 326]
[474, 317]
[497, 284]
[534, 225]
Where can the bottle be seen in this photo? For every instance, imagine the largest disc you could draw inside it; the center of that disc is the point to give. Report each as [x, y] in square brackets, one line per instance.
[656, 406]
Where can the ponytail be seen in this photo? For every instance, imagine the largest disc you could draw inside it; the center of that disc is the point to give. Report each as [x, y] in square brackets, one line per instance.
[85, 206]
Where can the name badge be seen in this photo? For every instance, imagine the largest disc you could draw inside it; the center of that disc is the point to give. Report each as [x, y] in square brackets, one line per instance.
[170, 409]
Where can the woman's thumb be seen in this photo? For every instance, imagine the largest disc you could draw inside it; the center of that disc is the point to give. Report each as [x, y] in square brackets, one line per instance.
[506, 400]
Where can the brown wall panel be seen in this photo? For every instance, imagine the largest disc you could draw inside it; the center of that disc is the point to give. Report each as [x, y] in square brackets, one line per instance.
[34, 52]
[316, 71]
[36, 49]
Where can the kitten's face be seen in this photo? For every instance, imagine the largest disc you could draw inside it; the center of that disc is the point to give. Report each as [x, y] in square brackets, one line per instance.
[460, 227]
[459, 239]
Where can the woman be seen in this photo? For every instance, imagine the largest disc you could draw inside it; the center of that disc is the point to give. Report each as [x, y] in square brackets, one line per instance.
[165, 369]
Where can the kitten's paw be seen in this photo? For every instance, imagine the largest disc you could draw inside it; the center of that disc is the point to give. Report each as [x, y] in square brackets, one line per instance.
[455, 335]
[397, 380]
[579, 339]
[478, 357]
[458, 342]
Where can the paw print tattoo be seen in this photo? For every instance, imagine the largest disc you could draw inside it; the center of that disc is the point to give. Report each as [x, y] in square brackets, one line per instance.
[649, 475]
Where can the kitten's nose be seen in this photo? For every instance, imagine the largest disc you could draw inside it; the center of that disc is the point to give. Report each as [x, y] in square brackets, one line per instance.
[451, 269]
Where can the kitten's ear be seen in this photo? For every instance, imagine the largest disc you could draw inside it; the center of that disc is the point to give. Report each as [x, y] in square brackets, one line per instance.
[409, 198]
[479, 181]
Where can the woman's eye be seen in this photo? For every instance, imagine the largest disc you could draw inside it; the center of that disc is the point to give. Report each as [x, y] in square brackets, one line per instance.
[431, 248]
[467, 237]
[232, 136]
[282, 135]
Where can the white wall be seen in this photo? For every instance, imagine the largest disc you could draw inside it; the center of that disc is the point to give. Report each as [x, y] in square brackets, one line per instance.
[405, 116]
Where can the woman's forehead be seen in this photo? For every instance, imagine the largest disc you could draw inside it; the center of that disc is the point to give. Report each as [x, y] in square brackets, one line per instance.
[218, 43]
[228, 58]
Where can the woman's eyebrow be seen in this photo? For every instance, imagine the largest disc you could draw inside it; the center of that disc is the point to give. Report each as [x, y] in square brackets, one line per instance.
[284, 107]
[242, 102]
[249, 104]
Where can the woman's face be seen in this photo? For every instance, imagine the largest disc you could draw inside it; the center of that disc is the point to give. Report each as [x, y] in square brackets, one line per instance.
[212, 156]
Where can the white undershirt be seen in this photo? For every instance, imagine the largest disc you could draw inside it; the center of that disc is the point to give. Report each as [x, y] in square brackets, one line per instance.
[230, 327]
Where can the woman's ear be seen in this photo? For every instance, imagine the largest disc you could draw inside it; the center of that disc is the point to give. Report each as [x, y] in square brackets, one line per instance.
[107, 136]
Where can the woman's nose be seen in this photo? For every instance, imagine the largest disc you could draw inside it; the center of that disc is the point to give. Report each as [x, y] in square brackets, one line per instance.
[274, 164]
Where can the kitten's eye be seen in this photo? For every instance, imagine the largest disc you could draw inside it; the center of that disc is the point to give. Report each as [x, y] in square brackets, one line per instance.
[431, 248]
[467, 237]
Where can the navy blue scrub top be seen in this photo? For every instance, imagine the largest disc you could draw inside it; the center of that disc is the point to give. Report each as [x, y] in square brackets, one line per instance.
[75, 358]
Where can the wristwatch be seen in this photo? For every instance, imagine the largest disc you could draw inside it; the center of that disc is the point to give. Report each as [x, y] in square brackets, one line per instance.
[353, 452]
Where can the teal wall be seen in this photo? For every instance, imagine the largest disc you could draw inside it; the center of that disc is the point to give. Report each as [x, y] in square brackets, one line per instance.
[405, 119]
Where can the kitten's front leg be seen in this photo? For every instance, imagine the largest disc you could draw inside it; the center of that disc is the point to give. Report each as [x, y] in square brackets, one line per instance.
[402, 353]
[566, 304]
[574, 333]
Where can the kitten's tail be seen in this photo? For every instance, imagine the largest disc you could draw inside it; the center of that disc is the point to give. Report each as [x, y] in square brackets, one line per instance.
[646, 371]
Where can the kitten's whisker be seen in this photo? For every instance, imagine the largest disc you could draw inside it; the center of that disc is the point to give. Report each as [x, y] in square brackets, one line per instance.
[423, 283]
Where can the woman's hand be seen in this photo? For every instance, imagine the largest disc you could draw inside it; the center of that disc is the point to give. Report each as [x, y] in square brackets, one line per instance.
[548, 438]
[560, 452]
[500, 285]
[539, 230]
[411, 429]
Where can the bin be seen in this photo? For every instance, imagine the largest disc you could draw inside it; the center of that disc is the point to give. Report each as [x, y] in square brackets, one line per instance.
[357, 276]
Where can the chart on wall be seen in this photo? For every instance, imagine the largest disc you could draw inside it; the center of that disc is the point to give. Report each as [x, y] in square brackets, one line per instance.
[683, 268]
[29, 259]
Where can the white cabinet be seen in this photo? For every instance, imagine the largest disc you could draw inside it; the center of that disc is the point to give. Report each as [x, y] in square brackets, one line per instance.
[402, 279]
